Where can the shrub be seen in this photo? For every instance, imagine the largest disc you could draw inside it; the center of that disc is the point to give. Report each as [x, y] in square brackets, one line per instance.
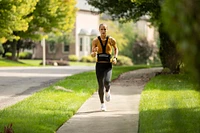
[124, 61]
[22, 55]
[142, 50]
[88, 59]
[73, 58]
[25, 55]
[8, 55]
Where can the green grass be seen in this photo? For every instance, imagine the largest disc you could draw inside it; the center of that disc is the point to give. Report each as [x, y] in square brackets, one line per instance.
[31, 62]
[170, 104]
[10, 63]
[46, 110]
[37, 62]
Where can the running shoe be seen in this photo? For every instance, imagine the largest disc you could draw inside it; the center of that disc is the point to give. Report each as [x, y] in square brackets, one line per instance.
[108, 96]
[103, 107]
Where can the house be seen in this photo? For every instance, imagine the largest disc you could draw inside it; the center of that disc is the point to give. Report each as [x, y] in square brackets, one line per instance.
[145, 29]
[85, 29]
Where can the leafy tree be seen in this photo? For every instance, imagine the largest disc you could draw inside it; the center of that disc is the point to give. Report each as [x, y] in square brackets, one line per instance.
[14, 16]
[56, 16]
[130, 34]
[182, 21]
[126, 10]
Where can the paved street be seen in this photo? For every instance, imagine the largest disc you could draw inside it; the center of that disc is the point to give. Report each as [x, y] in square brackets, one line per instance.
[17, 83]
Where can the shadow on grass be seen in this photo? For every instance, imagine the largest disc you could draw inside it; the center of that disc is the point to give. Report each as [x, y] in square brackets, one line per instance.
[185, 120]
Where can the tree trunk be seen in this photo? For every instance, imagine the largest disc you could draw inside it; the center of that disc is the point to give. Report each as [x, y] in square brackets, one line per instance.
[170, 58]
[197, 63]
[14, 49]
[18, 44]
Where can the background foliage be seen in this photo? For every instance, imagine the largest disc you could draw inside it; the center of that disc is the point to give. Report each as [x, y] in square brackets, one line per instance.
[126, 10]
[37, 19]
[182, 21]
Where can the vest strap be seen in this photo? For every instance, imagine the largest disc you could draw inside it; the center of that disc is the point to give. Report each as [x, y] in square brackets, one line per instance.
[103, 56]
[103, 46]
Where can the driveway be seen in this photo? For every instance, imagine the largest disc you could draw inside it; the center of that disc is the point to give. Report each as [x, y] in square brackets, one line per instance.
[17, 83]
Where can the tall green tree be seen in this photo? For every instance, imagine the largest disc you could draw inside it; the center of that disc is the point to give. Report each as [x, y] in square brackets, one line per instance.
[182, 22]
[130, 34]
[14, 17]
[56, 16]
[126, 10]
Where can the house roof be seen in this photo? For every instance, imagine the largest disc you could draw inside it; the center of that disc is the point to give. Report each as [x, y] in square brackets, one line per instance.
[83, 32]
[83, 5]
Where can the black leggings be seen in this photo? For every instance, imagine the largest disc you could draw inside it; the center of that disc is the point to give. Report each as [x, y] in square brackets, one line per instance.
[103, 74]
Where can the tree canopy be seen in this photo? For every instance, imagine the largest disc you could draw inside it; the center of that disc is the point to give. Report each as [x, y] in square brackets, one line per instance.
[31, 18]
[57, 16]
[34, 19]
[125, 10]
[15, 16]
[182, 22]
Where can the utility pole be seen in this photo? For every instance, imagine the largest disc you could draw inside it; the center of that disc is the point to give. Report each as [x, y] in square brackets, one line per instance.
[44, 51]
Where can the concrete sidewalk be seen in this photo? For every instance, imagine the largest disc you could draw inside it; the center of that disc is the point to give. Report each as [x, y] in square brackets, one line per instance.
[122, 111]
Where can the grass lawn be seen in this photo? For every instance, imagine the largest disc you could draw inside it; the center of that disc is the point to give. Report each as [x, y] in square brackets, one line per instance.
[10, 63]
[46, 110]
[31, 62]
[37, 62]
[170, 104]
[24, 63]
